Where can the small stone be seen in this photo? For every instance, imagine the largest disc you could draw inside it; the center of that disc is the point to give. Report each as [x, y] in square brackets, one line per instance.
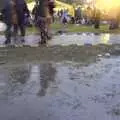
[107, 55]
[99, 55]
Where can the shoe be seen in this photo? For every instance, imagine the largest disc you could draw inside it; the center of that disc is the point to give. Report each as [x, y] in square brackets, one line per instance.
[22, 40]
[7, 42]
[49, 37]
[42, 42]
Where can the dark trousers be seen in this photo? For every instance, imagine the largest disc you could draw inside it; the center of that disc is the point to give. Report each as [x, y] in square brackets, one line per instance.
[9, 33]
[22, 29]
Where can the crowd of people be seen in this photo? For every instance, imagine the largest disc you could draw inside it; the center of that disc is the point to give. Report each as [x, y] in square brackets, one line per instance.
[81, 17]
[15, 15]
[88, 16]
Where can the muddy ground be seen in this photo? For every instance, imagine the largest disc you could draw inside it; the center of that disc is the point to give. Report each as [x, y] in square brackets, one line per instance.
[84, 54]
[60, 82]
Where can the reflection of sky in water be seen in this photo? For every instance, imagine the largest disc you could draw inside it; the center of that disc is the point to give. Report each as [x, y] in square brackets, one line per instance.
[105, 38]
[72, 39]
[82, 39]
[69, 92]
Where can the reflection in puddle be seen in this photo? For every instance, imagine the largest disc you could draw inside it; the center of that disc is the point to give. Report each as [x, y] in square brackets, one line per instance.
[20, 75]
[72, 39]
[60, 91]
[47, 75]
[32, 79]
[83, 39]
[105, 38]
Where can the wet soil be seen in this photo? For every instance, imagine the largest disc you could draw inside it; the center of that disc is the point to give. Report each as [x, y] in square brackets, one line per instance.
[50, 91]
[84, 54]
[59, 82]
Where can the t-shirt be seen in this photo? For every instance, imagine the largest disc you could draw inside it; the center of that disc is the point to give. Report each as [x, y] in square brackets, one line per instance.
[41, 11]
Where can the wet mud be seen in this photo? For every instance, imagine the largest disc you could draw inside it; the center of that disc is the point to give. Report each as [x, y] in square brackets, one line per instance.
[50, 91]
[60, 82]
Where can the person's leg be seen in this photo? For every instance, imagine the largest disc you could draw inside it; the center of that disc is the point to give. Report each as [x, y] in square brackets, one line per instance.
[23, 32]
[8, 34]
[43, 33]
[15, 32]
[42, 28]
[21, 26]
[48, 30]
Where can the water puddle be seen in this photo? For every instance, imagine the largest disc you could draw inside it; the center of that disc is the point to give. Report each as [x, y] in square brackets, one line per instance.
[84, 39]
[60, 91]
[72, 39]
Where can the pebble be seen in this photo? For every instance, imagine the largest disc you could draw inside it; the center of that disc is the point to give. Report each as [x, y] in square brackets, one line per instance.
[107, 55]
[99, 55]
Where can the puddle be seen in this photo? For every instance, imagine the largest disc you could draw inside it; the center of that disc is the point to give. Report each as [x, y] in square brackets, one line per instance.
[84, 39]
[60, 91]
[72, 39]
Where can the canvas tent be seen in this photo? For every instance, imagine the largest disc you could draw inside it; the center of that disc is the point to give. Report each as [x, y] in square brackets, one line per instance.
[62, 5]
[59, 5]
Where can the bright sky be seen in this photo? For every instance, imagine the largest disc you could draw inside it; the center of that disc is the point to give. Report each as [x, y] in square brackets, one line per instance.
[107, 4]
[112, 7]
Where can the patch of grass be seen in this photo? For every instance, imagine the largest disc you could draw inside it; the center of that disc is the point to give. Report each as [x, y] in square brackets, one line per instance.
[84, 28]
[57, 26]
[73, 28]
[31, 30]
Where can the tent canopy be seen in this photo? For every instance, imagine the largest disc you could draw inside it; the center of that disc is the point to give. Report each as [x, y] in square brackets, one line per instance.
[59, 5]
[63, 5]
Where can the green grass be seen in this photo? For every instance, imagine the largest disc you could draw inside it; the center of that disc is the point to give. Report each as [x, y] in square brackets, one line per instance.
[32, 30]
[84, 28]
[74, 29]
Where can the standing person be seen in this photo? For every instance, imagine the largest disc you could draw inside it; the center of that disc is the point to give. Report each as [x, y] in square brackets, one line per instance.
[22, 12]
[34, 15]
[7, 16]
[64, 17]
[50, 16]
[40, 14]
[51, 6]
[78, 15]
[14, 16]
[10, 18]
[14, 19]
[43, 19]
[97, 15]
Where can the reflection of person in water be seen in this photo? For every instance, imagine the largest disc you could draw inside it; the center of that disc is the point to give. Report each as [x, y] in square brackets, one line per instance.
[18, 77]
[47, 74]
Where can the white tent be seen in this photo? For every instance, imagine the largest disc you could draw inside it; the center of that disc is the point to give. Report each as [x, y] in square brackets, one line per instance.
[31, 5]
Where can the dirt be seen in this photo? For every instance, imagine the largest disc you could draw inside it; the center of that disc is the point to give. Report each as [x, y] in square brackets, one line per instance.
[83, 54]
